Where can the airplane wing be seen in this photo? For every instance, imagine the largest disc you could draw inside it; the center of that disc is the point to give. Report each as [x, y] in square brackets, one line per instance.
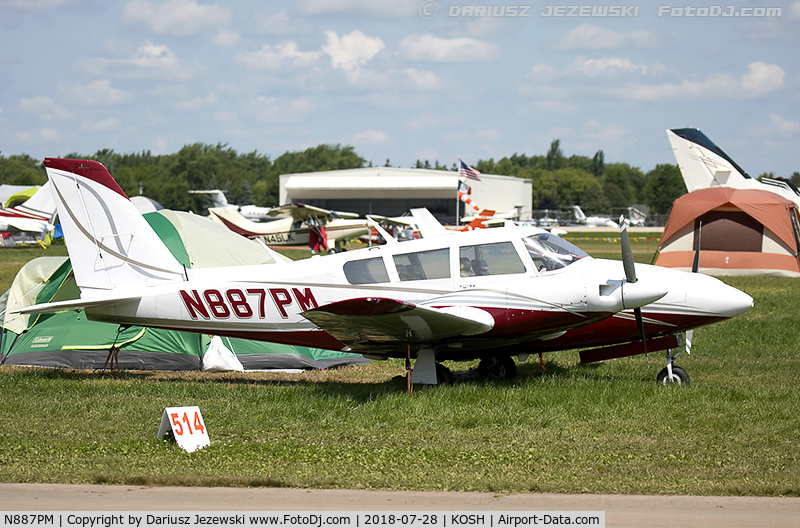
[358, 322]
[300, 212]
[234, 221]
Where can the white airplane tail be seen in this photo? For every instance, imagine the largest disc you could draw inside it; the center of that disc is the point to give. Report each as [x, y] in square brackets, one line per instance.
[578, 212]
[110, 244]
[702, 163]
[217, 197]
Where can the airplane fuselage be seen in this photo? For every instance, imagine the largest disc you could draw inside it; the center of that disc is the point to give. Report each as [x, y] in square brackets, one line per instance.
[533, 300]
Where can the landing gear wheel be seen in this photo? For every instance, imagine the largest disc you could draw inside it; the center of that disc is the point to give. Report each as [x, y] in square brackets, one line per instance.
[679, 376]
[443, 375]
[497, 367]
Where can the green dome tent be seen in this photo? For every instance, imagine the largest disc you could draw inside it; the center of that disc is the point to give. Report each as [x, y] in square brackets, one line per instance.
[70, 340]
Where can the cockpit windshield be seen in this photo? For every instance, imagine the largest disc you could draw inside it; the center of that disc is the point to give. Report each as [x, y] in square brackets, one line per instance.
[549, 252]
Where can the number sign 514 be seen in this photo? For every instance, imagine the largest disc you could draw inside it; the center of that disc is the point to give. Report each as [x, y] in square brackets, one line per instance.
[187, 426]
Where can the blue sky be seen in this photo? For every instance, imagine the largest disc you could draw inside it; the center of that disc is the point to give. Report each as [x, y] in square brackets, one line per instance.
[402, 79]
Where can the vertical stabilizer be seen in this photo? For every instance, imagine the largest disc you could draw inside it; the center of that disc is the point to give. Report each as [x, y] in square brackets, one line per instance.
[702, 163]
[110, 244]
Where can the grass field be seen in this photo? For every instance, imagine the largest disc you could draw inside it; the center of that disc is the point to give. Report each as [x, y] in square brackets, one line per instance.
[602, 428]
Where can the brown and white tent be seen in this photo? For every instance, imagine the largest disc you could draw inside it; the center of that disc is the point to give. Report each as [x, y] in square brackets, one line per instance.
[741, 232]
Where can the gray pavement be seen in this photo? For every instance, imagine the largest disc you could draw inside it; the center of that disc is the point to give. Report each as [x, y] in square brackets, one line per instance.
[621, 510]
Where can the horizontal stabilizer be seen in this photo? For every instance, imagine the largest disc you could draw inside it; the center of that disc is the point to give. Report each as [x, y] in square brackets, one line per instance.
[374, 320]
[74, 304]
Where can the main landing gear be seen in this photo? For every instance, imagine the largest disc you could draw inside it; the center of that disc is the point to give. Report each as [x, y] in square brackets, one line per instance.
[497, 367]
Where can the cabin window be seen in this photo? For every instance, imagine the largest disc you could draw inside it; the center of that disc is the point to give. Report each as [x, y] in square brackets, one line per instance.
[368, 271]
[549, 252]
[423, 265]
[499, 258]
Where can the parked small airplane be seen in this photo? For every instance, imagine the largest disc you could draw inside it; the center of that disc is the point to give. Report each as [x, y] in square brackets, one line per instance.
[703, 164]
[592, 221]
[253, 213]
[295, 224]
[489, 293]
[35, 215]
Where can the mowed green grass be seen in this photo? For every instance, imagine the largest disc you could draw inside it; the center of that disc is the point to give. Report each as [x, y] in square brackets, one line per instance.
[601, 428]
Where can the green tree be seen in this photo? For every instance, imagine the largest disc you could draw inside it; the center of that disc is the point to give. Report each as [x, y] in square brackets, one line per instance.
[21, 170]
[555, 157]
[664, 184]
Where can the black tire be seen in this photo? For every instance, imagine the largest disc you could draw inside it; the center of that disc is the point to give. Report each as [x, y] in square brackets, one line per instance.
[497, 367]
[679, 376]
[443, 375]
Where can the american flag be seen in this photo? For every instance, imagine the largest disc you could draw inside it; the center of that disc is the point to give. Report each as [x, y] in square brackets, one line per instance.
[468, 172]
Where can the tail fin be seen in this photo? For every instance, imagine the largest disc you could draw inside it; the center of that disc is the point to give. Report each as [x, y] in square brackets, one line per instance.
[578, 212]
[217, 197]
[702, 163]
[110, 243]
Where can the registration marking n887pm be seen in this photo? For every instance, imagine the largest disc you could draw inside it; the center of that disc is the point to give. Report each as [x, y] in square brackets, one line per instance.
[245, 303]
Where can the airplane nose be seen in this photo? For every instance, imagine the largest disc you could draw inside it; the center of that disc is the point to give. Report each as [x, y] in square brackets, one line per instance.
[714, 297]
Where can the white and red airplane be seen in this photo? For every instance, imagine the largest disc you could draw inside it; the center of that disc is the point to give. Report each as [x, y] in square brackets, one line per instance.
[296, 224]
[489, 293]
[34, 215]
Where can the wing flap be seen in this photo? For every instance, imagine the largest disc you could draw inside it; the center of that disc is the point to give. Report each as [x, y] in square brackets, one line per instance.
[379, 320]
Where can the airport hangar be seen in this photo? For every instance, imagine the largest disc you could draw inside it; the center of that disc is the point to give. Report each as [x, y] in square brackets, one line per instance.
[391, 191]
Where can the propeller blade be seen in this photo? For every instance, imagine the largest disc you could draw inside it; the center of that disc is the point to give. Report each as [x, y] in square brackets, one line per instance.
[627, 254]
[637, 312]
[696, 262]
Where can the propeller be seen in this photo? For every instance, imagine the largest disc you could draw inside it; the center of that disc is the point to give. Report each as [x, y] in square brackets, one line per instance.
[630, 273]
[695, 267]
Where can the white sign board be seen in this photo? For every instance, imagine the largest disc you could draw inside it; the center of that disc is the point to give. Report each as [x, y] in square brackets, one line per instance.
[187, 426]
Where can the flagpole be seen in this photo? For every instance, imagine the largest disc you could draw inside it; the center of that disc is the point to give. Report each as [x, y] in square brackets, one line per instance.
[458, 185]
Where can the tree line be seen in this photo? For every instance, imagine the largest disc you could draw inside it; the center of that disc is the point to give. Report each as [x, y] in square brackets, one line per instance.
[559, 181]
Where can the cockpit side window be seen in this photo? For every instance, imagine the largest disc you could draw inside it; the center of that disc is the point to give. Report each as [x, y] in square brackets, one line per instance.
[499, 258]
[434, 264]
[367, 271]
[549, 252]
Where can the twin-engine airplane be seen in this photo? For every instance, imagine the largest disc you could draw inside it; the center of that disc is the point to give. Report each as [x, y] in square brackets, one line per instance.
[489, 294]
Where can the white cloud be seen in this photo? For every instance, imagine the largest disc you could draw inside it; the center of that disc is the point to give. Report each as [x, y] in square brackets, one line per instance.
[148, 61]
[589, 37]
[227, 38]
[777, 127]
[198, 103]
[43, 108]
[175, 17]
[272, 110]
[369, 138]
[275, 57]
[351, 51]
[760, 79]
[390, 9]
[436, 49]
[794, 11]
[281, 23]
[97, 93]
[101, 126]
[423, 79]
[429, 121]
[606, 133]
[31, 5]
[611, 67]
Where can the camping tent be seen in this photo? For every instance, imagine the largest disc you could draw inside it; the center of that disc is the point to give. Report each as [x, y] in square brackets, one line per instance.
[741, 232]
[69, 340]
